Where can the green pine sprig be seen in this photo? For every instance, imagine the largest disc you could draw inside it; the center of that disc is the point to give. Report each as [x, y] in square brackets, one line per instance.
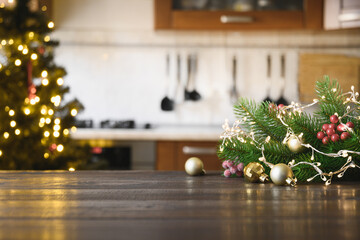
[262, 120]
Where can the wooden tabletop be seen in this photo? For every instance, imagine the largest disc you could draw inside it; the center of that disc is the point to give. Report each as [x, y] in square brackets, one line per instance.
[171, 205]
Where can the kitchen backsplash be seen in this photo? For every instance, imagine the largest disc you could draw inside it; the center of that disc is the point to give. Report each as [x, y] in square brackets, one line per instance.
[116, 62]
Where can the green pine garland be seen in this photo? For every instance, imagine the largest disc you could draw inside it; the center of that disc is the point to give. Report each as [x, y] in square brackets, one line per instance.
[261, 127]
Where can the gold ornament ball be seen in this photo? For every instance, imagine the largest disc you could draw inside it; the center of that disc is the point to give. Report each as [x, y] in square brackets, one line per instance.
[194, 166]
[281, 174]
[255, 172]
[294, 144]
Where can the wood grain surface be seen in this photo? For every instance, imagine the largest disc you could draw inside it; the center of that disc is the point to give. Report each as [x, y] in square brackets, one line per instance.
[171, 205]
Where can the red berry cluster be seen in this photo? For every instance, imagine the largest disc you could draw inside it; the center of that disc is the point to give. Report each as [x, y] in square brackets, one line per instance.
[232, 169]
[331, 131]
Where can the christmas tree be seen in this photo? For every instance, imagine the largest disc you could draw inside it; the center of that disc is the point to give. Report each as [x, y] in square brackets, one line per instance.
[310, 147]
[35, 124]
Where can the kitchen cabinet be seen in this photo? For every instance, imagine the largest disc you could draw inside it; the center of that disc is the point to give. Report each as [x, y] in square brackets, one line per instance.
[339, 14]
[172, 155]
[309, 15]
[312, 67]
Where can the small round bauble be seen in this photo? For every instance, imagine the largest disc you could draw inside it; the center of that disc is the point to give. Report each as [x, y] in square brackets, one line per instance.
[330, 131]
[294, 144]
[194, 166]
[255, 172]
[325, 140]
[341, 127]
[335, 137]
[345, 135]
[320, 135]
[281, 174]
[227, 173]
[334, 119]
[350, 124]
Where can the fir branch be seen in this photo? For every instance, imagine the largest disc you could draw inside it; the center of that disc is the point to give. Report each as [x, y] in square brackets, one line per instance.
[256, 116]
[330, 97]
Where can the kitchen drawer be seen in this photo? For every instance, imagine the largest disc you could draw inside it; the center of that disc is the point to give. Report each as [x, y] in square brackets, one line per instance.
[172, 155]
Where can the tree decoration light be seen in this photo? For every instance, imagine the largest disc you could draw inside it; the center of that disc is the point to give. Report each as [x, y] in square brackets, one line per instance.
[263, 134]
[32, 113]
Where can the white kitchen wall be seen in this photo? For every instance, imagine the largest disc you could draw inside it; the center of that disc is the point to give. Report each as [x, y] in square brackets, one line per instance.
[116, 61]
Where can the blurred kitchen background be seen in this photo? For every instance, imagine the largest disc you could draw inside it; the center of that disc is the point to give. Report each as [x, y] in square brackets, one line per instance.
[125, 58]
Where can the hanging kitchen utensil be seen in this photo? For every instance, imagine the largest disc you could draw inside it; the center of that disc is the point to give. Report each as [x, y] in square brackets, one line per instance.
[179, 90]
[268, 82]
[282, 100]
[194, 95]
[233, 92]
[187, 85]
[167, 104]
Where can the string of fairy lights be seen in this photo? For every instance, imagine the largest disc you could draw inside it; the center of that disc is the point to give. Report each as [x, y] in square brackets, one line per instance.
[236, 132]
[50, 124]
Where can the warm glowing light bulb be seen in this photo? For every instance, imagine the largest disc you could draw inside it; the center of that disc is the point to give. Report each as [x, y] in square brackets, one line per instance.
[43, 8]
[11, 41]
[73, 112]
[56, 134]
[25, 51]
[34, 56]
[51, 24]
[31, 35]
[44, 74]
[20, 47]
[3, 42]
[66, 132]
[27, 111]
[47, 38]
[17, 131]
[12, 123]
[37, 99]
[57, 121]
[51, 112]
[41, 124]
[10, 1]
[17, 62]
[56, 100]
[6, 135]
[73, 129]
[48, 120]
[11, 112]
[45, 82]
[2, 5]
[71, 169]
[0, 66]
[33, 101]
[56, 127]
[60, 148]
[43, 111]
[0, 153]
[42, 120]
[60, 81]
[46, 133]
[7, 108]
[46, 155]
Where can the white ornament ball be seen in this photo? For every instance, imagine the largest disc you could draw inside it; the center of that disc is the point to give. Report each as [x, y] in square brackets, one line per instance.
[294, 144]
[194, 166]
[281, 174]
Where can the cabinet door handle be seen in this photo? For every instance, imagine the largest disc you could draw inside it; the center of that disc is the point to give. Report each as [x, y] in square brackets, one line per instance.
[199, 150]
[236, 19]
[349, 16]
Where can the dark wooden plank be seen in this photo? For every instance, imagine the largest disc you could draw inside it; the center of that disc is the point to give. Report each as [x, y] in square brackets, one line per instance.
[171, 205]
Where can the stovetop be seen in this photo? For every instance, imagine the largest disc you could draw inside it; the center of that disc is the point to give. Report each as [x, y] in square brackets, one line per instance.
[109, 123]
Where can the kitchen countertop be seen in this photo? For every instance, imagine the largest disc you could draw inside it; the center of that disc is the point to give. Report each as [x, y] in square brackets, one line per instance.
[171, 205]
[164, 133]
